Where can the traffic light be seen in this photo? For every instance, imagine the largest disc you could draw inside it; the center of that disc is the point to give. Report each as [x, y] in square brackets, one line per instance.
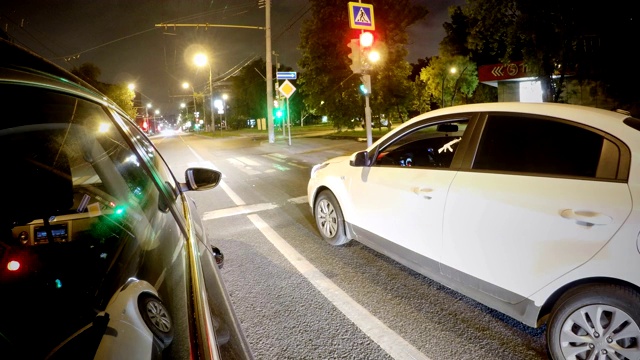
[356, 60]
[366, 46]
[279, 111]
[366, 40]
[365, 87]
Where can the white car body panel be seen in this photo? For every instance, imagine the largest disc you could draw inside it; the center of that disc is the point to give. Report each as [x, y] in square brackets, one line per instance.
[417, 196]
[485, 235]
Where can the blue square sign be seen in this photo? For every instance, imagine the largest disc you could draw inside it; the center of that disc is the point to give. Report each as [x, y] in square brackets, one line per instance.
[361, 16]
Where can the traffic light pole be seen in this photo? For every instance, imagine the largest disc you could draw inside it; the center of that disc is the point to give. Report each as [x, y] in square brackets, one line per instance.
[289, 121]
[366, 78]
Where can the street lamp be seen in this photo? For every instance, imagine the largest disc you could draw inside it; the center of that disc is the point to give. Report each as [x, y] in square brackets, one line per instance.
[201, 60]
[153, 127]
[184, 106]
[444, 76]
[186, 85]
[224, 105]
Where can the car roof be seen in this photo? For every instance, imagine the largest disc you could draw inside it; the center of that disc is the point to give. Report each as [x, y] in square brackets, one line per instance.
[566, 111]
[599, 118]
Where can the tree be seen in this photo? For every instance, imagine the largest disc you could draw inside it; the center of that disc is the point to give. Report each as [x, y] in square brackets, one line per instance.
[118, 93]
[558, 40]
[330, 86]
[446, 77]
[249, 92]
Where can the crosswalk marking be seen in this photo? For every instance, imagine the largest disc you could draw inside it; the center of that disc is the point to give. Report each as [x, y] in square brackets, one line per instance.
[276, 157]
[242, 208]
[238, 210]
[242, 167]
[298, 200]
[248, 161]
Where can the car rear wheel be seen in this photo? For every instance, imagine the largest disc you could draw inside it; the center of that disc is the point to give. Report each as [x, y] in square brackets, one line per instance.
[593, 322]
[156, 317]
[329, 219]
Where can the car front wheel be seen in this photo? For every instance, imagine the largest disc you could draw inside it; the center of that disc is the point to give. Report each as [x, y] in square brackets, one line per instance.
[156, 317]
[329, 219]
[595, 322]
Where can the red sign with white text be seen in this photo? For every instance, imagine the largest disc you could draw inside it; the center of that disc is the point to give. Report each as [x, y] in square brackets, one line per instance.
[495, 72]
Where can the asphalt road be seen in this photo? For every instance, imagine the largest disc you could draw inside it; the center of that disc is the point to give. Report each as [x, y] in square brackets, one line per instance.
[298, 297]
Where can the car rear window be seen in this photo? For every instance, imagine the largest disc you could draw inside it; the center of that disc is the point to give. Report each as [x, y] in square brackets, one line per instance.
[633, 122]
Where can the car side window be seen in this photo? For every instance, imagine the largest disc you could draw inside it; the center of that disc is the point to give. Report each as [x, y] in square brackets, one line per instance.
[82, 213]
[524, 144]
[431, 146]
[157, 162]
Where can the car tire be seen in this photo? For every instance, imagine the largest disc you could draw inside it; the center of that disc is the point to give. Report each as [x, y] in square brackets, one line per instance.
[156, 317]
[575, 332]
[329, 219]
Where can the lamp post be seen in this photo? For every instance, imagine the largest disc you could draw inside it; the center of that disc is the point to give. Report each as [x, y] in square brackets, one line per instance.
[444, 76]
[146, 115]
[224, 106]
[186, 86]
[202, 60]
[184, 106]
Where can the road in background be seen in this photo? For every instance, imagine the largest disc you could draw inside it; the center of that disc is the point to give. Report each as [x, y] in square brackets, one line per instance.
[298, 297]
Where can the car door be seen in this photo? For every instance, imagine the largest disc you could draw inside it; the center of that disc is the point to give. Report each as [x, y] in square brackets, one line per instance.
[400, 198]
[541, 198]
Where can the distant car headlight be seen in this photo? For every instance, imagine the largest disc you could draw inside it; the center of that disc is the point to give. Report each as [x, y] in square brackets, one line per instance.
[317, 167]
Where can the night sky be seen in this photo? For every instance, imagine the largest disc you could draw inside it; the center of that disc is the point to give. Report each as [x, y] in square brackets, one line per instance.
[120, 37]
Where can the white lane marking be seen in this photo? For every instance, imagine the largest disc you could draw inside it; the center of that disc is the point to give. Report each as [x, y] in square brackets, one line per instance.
[299, 200]
[200, 158]
[397, 347]
[234, 197]
[239, 210]
[202, 164]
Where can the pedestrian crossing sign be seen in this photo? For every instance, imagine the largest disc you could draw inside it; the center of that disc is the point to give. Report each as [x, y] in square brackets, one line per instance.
[361, 16]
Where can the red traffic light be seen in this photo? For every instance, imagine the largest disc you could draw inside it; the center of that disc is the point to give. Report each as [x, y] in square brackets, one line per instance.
[366, 39]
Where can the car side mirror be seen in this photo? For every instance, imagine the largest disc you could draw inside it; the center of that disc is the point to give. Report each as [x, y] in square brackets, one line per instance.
[361, 158]
[219, 256]
[198, 179]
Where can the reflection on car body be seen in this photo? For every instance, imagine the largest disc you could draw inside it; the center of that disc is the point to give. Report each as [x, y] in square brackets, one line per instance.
[104, 254]
[526, 208]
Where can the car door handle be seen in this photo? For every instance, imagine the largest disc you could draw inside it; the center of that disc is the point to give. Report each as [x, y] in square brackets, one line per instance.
[420, 190]
[586, 217]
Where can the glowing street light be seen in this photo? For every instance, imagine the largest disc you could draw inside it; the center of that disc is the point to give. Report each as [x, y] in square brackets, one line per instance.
[444, 76]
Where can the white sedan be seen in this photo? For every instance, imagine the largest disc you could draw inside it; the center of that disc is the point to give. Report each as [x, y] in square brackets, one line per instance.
[526, 208]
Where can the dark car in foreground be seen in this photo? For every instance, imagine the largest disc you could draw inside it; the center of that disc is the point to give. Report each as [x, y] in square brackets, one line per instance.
[103, 253]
